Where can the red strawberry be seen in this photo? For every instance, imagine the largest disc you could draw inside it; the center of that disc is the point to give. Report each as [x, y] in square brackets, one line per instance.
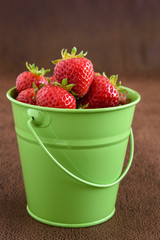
[25, 80]
[27, 96]
[53, 79]
[123, 99]
[77, 69]
[55, 97]
[101, 93]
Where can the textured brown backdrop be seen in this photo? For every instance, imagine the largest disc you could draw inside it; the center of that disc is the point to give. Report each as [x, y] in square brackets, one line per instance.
[121, 37]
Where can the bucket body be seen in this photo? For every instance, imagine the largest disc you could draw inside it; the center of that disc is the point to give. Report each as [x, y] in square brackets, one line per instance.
[90, 143]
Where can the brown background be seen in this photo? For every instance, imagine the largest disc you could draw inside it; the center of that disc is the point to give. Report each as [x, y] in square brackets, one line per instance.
[121, 37]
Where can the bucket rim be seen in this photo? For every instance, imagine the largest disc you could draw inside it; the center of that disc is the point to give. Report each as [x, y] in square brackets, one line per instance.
[95, 110]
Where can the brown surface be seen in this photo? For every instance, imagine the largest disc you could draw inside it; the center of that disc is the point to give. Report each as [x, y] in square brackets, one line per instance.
[137, 213]
[121, 37]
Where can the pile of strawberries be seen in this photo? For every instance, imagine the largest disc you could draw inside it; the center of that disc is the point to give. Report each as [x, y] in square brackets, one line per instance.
[74, 84]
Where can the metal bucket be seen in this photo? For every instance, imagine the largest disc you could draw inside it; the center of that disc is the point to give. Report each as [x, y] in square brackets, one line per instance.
[72, 160]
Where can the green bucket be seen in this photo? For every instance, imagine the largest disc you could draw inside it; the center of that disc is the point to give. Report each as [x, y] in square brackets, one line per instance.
[72, 160]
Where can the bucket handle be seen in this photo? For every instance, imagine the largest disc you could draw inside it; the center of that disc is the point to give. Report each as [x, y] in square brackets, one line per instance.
[29, 123]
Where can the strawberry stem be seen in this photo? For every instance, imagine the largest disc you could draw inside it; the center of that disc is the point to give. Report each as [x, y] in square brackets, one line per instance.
[64, 82]
[66, 55]
[75, 94]
[35, 87]
[83, 106]
[34, 69]
[104, 74]
[113, 80]
[64, 85]
[49, 80]
[73, 52]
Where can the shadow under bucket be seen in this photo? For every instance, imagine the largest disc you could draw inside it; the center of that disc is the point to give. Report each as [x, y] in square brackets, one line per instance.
[72, 160]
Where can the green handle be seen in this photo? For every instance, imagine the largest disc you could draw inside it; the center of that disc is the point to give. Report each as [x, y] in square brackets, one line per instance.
[31, 120]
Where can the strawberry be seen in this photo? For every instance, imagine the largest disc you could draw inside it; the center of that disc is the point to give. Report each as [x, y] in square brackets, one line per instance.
[25, 80]
[123, 99]
[27, 96]
[102, 93]
[77, 69]
[55, 97]
[53, 79]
